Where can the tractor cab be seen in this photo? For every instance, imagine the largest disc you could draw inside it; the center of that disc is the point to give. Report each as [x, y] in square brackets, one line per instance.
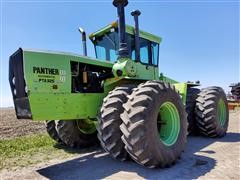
[106, 44]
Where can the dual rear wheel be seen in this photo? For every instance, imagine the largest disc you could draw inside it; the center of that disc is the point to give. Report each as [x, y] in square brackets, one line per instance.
[151, 126]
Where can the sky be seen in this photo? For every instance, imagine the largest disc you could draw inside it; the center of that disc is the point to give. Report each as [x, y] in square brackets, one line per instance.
[200, 38]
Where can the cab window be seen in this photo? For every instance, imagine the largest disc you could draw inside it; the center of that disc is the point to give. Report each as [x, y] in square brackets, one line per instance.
[106, 47]
[149, 52]
[144, 51]
[155, 53]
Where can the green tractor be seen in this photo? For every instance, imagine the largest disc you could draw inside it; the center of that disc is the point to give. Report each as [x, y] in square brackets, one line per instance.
[119, 99]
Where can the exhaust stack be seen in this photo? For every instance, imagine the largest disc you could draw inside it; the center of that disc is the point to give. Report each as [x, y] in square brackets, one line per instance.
[123, 50]
[135, 14]
[84, 41]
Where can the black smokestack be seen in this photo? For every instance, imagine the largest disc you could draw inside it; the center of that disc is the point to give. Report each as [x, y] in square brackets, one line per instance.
[135, 14]
[123, 50]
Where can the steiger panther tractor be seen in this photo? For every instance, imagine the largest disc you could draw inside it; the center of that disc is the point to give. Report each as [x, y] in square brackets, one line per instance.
[119, 99]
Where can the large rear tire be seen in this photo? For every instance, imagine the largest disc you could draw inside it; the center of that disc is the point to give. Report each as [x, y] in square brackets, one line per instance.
[211, 111]
[73, 136]
[154, 124]
[109, 121]
[52, 131]
[192, 94]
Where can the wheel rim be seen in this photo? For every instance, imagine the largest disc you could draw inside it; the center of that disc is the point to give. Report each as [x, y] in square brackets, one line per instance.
[86, 126]
[168, 123]
[221, 112]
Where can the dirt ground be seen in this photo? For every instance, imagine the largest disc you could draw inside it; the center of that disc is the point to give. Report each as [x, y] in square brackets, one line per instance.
[11, 127]
[204, 158]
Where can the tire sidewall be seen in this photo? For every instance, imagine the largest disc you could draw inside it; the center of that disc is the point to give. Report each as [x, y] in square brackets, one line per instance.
[158, 147]
[221, 130]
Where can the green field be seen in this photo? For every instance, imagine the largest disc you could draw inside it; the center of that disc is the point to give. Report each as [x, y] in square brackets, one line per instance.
[32, 149]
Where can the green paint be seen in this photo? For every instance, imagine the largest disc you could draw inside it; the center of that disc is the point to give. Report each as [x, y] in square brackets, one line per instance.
[146, 72]
[122, 66]
[221, 112]
[135, 70]
[47, 103]
[129, 30]
[182, 89]
[166, 79]
[47, 106]
[102, 31]
[168, 123]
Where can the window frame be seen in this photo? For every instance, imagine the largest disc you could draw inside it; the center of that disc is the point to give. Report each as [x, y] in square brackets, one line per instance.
[157, 54]
[150, 57]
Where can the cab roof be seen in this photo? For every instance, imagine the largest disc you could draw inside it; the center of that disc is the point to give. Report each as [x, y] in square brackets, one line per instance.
[129, 29]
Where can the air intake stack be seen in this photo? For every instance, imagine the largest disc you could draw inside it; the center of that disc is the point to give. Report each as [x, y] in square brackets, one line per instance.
[123, 50]
[135, 14]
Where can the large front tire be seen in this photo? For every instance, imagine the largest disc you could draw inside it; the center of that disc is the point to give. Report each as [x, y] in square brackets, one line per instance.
[211, 111]
[109, 121]
[154, 124]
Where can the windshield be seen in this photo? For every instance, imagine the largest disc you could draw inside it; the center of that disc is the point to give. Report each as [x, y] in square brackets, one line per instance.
[106, 47]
